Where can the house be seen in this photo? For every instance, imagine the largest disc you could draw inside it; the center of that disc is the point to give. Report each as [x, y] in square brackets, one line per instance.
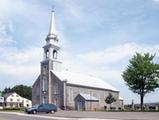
[67, 89]
[1, 102]
[13, 100]
[27, 102]
[121, 102]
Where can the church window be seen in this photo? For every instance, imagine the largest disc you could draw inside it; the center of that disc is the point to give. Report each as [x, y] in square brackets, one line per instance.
[44, 84]
[70, 94]
[55, 90]
[47, 53]
[56, 101]
[44, 69]
[44, 99]
[55, 54]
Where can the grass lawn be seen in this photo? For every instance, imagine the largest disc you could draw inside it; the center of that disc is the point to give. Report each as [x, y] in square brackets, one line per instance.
[12, 110]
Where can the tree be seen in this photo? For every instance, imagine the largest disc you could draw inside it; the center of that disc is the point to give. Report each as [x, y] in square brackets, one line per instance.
[6, 90]
[142, 75]
[110, 99]
[24, 91]
[1, 94]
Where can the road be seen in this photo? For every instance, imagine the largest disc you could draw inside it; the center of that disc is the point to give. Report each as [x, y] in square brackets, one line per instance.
[109, 115]
[76, 115]
[23, 116]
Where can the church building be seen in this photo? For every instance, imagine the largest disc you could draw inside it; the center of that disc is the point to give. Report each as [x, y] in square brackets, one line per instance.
[69, 90]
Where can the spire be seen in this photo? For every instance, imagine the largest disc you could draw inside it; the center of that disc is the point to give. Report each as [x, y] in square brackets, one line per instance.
[52, 32]
[52, 23]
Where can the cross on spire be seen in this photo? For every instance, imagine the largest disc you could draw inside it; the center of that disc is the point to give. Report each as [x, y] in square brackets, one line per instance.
[52, 8]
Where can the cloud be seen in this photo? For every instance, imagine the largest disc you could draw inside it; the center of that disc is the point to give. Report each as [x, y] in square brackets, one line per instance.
[117, 53]
[6, 30]
[21, 56]
[155, 0]
[17, 60]
[107, 64]
[18, 70]
[20, 62]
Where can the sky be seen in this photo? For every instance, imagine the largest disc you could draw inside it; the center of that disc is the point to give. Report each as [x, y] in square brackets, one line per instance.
[97, 37]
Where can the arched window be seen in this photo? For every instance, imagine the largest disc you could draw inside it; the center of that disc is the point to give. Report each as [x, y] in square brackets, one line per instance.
[44, 99]
[55, 54]
[44, 84]
[55, 89]
[47, 53]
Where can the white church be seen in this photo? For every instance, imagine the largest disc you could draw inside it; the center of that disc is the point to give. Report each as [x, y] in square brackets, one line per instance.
[69, 90]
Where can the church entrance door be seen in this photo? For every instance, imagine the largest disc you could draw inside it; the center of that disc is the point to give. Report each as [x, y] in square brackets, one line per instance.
[80, 105]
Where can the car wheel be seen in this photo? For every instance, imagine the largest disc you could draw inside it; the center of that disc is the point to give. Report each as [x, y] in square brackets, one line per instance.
[34, 112]
[52, 111]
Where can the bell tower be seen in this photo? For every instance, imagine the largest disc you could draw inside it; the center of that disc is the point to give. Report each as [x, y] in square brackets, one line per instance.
[50, 62]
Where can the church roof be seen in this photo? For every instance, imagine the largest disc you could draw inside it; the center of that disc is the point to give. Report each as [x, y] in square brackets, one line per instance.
[89, 97]
[83, 80]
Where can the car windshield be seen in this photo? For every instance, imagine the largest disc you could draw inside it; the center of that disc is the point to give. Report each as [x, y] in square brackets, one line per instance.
[35, 106]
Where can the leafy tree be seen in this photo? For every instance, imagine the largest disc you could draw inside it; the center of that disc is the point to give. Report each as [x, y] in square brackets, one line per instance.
[6, 90]
[23, 90]
[1, 94]
[110, 99]
[142, 75]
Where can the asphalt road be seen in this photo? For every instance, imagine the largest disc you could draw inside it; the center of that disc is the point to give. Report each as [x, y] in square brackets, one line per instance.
[76, 115]
[23, 116]
[109, 115]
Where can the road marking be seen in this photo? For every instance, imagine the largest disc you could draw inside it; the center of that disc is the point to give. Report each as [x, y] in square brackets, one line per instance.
[95, 119]
[51, 117]
[63, 118]
[40, 116]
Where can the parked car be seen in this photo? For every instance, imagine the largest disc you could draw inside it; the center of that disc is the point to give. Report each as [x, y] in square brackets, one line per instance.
[47, 108]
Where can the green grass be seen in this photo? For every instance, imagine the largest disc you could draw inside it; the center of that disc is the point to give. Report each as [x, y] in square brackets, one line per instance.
[13, 109]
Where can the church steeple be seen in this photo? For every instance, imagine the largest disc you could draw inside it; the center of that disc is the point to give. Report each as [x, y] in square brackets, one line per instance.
[50, 62]
[52, 35]
[51, 48]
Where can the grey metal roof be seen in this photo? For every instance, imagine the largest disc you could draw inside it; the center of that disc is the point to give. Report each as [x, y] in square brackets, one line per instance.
[89, 97]
[83, 80]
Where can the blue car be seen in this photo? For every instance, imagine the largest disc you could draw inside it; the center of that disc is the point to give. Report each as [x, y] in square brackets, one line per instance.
[47, 108]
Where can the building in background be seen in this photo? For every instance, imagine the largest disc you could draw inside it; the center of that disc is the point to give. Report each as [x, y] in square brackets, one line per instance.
[66, 89]
[26, 103]
[13, 100]
[1, 100]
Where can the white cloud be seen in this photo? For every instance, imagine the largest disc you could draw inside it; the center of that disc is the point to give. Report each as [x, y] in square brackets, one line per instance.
[14, 61]
[107, 64]
[11, 6]
[19, 10]
[30, 55]
[5, 30]
[155, 0]
[18, 70]
[117, 53]
[20, 62]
